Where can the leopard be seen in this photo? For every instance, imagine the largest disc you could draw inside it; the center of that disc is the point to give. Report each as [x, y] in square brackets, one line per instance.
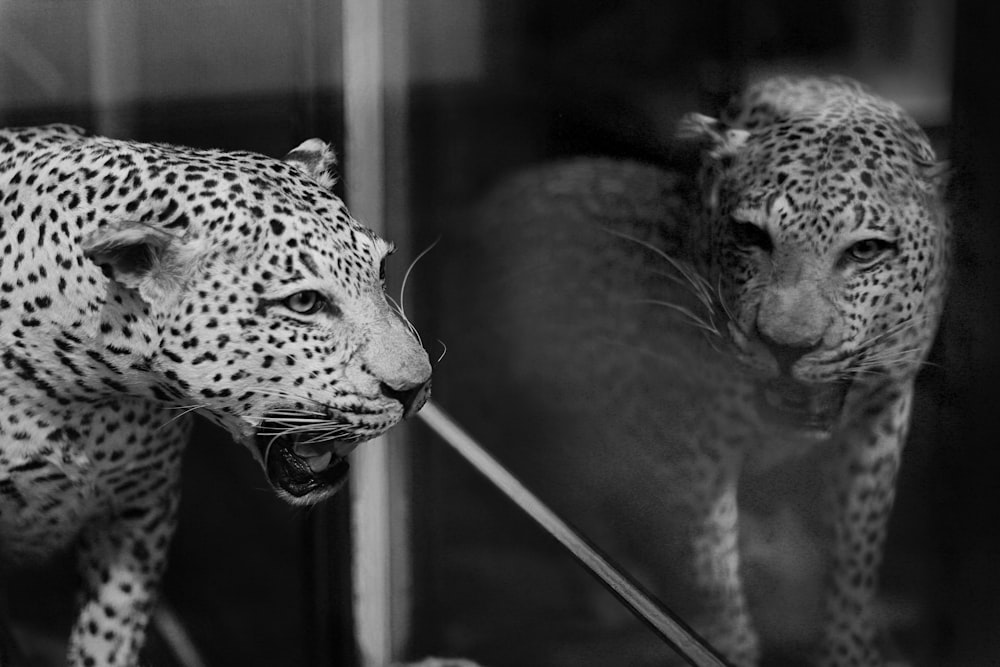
[142, 284]
[678, 343]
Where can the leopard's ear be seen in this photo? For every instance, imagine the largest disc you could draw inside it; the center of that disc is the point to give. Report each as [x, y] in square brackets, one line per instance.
[933, 175]
[718, 143]
[138, 256]
[316, 159]
[714, 137]
[938, 176]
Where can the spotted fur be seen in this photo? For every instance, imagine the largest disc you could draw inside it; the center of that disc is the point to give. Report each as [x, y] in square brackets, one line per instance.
[824, 232]
[140, 283]
[677, 343]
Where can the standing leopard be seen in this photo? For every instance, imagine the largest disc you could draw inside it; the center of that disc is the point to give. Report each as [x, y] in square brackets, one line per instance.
[671, 345]
[142, 283]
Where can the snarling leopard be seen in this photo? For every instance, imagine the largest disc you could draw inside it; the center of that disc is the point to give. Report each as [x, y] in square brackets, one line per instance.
[143, 283]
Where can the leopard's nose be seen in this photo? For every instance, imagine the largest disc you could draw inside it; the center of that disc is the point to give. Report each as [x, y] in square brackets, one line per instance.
[793, 320]
[412, 396]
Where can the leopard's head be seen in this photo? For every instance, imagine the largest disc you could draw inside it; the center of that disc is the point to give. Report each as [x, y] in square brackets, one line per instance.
[269, 305]
[825, 236]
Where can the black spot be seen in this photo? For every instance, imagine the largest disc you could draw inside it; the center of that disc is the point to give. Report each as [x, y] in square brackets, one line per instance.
[141, 552]
[133, 513]
[172, 356]
[115, 385]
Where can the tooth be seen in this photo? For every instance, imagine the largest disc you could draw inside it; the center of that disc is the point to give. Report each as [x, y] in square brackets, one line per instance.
[308, 450]
[319, 463]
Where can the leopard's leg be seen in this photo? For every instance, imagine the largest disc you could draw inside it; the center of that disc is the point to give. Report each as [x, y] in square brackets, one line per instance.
[121, 556]
[714, 524]
[864, 478]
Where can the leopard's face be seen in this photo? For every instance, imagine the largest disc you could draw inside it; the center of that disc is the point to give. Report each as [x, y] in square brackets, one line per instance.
[827, 243]
[310, 357]
[274, 323]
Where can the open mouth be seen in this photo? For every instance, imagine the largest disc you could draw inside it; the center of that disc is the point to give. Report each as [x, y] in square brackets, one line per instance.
[300, 465]
[806, 407]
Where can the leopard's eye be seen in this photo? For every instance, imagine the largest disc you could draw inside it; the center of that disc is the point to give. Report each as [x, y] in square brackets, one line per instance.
[305, 302]
[868, 251]
[748, 236]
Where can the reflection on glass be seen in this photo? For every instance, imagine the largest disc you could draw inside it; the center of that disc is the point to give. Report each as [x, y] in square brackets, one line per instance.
[584, 358]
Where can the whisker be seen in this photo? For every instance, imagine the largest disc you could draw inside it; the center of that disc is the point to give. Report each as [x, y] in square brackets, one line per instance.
[185, 410]
[325, 430]
[700, 290]
[393, 303]
[406, 276]
[890, 357]
[291, 418]
[326, 436]
[879, 363]
[285, 429]
[298, 413]
[400, 306]
[696, 281]
[855, 372]
[694, 319]
[444, 351]
[673, 277]
[186, 407]
[887, 333]
[688, 277]
[722, 301]
[409, 325]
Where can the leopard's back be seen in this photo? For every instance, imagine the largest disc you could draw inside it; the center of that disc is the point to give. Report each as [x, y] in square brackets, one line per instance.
[578, 351]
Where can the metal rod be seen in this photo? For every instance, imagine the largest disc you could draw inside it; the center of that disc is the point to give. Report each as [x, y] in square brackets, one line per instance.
[661, 620]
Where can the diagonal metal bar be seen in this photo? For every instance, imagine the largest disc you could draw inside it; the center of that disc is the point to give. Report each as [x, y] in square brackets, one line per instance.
[661, 620]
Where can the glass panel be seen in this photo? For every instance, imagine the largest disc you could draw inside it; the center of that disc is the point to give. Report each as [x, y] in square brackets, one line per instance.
[573, 353]
[249, 577]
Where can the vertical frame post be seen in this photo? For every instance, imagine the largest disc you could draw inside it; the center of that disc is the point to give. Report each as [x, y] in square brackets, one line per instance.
[114, 63]
[374, 80]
